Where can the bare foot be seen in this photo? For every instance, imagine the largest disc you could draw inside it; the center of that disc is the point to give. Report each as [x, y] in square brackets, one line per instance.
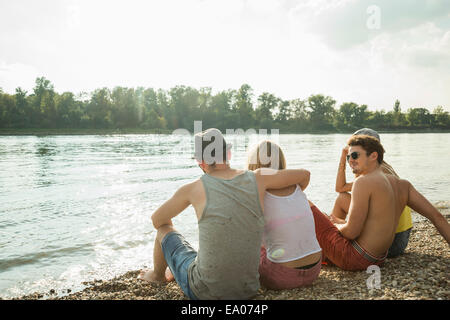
[169, 275]
[149, 275]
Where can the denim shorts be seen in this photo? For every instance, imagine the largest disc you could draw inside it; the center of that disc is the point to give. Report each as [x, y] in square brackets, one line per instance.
[179, 255]
[399, 244]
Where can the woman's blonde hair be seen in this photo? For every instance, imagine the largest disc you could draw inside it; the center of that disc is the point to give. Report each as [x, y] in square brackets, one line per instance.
[266, 154]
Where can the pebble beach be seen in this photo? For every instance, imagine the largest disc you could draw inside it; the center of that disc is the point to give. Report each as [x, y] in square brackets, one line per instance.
[422, 273]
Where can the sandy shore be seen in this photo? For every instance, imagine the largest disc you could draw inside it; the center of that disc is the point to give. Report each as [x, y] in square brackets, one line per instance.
[423, 272]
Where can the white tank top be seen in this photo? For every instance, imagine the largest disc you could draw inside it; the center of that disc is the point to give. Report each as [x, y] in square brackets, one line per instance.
[289, 232]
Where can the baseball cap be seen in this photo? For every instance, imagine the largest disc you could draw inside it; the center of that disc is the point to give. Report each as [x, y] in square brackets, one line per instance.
[210, 146]
[368, 132]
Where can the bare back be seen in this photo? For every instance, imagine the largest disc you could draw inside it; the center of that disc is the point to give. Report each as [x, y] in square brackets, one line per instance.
[383, 212]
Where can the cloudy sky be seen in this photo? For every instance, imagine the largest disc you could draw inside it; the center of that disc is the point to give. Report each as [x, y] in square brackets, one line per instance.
[367, 51]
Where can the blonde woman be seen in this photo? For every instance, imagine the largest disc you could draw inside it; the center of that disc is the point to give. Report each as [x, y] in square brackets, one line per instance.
[290, 256]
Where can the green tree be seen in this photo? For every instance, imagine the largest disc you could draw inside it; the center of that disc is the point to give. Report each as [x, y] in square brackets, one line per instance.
[8, 110]
[125, 108]
[184, 105]
[399, 119]
[441, 117]
[153, 113]
[68, 110]
[300, 115]
[24, 111]
[419, 117]
[243, 106]
[154, 121]
[205, 110]
[351, 116]
[221, 106]
[344, 117]
[376, 120]
[397, 108]
[267, 103]
[284, 112]
[389, 120]
[321, 112]
[100, 109]
[43, 105]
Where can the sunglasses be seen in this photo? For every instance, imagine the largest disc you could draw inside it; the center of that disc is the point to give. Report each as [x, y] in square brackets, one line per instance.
[355, 155]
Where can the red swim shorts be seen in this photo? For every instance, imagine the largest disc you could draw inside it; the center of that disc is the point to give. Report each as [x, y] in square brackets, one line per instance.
[344, 253]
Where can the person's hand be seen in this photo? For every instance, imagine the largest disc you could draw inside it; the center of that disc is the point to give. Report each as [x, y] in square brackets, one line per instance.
[345, 150]
[336, 220]
[343, 160]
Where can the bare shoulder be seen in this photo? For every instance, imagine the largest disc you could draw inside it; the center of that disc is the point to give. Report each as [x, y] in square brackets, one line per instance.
[363, 181]
[363, 185]
[402, 183]
[189, 188]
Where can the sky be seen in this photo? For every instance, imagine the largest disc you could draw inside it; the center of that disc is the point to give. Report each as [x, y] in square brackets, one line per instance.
[365, 51]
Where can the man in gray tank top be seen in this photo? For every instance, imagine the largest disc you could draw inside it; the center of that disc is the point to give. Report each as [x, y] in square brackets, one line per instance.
[229, 210]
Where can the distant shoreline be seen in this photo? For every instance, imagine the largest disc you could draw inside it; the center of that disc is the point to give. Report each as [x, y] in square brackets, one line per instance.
[78, 131]
[62, 132]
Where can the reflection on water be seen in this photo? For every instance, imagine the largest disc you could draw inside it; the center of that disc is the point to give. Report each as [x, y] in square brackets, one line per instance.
[76, 208]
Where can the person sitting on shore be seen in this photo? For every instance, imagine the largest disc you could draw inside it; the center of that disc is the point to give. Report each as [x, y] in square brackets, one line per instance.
[228, 206]
[416, 201]
[375, 207]
[342, 202]
[290, 256]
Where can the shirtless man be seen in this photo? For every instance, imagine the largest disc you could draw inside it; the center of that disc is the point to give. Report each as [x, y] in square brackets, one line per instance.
[415, 200]
[228, 204]
[342, 202]
[376, 205]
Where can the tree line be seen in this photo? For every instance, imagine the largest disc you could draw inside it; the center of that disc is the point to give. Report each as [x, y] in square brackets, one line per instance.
[148, 108]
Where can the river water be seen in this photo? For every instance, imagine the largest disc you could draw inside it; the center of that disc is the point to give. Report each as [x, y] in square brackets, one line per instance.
[77, 208]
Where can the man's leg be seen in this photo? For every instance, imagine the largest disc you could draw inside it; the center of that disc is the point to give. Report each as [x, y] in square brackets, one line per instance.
[341, 205]
[329, 238]
[335, 247]
[159, 272]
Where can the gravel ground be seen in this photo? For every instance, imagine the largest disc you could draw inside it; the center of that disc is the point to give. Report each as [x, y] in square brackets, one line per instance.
[422, 272]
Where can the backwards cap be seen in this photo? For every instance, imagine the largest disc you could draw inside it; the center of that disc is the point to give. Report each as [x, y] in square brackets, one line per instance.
[368, 132]
[211, 147]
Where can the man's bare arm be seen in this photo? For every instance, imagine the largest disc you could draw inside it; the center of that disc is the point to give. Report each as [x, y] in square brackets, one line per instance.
[172, 207]
[359, 208]
[421, 205]
[341, 181]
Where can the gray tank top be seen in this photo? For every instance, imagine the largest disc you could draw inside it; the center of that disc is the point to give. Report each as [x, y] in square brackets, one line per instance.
[230, 234]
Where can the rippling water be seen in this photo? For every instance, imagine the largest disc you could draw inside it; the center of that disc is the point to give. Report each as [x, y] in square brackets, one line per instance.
[77, 208]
